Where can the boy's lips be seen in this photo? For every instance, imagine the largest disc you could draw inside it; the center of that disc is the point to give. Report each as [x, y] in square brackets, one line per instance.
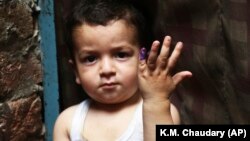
[109, 85]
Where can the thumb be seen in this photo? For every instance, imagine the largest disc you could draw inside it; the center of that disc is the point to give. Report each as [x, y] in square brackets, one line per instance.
[179, 77]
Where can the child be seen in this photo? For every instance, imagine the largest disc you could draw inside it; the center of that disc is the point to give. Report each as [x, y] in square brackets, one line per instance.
[128, 96]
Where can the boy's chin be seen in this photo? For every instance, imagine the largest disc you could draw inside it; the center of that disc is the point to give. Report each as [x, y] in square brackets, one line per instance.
[113, 102]
[110, 101]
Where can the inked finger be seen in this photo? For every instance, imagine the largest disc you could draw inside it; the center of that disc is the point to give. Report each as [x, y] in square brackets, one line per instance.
[142, 54]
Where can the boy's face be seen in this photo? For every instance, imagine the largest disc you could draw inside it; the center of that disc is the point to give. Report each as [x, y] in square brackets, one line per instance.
[106, 59]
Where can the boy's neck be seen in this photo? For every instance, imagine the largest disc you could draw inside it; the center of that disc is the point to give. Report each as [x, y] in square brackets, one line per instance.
[132, 101]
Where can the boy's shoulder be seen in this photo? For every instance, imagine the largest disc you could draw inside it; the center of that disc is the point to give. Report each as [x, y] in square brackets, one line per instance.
[65, 117]
[63, 123]
[69, 112]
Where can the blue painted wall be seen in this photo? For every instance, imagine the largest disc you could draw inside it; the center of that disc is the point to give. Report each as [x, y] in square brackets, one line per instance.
[49, 61]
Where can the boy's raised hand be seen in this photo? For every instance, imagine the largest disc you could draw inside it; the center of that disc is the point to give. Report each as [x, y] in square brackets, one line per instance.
[156, 84]
[156, 81]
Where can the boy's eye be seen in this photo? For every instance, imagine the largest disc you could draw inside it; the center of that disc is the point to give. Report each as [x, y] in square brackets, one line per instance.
[89, 59]
[122, 55]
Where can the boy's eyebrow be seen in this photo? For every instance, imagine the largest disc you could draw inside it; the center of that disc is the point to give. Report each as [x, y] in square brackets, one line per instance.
[86, 48]
[122, 47]
[113, 48]
[86, 51]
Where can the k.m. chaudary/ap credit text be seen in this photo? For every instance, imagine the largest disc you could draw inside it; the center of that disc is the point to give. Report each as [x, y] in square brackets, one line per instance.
[237, 132]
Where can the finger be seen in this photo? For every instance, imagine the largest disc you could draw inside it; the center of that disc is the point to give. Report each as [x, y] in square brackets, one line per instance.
[142, 57]
[143, 53]
[142, 65]
[163, 56]
[152, 57]
[174, 56]
[179, 77]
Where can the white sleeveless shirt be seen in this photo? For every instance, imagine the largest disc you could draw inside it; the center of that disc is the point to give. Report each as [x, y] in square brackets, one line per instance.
[134, 132]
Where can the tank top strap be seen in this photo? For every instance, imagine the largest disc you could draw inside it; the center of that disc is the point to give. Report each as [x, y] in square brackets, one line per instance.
[135, 129]
[78, 120]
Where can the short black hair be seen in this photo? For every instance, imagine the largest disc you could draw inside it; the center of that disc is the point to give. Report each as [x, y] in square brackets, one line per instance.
[101, 12]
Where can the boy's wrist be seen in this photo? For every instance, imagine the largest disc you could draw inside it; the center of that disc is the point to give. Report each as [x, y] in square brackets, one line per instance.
[158, 111]
[157, 105]
[155, 97]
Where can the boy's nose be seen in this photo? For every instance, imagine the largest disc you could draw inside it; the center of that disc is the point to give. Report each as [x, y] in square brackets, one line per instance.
[107, 67]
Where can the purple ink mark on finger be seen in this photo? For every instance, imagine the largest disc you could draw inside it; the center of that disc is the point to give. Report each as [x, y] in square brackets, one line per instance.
[143, 53]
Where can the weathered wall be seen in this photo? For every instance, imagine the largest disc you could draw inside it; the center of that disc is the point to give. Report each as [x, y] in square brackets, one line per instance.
[20, 73]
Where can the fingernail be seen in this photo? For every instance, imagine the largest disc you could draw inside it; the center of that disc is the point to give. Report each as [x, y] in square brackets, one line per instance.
[143, 53]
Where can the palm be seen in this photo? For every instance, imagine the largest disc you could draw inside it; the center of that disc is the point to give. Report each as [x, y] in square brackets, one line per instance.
[155, 79]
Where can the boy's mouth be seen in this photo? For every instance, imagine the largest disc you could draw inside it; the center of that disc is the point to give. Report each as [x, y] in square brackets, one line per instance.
[109, 85]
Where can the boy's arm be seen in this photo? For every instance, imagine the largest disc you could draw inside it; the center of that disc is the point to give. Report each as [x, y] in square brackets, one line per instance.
[156, 84]
[62, 125]
[158, 114]
[175, 114]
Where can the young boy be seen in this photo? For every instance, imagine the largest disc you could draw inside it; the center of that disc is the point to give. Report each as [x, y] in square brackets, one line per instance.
[128, 96]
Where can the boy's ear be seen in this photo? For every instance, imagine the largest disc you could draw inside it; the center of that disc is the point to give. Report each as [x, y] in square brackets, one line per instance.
[77, 79]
